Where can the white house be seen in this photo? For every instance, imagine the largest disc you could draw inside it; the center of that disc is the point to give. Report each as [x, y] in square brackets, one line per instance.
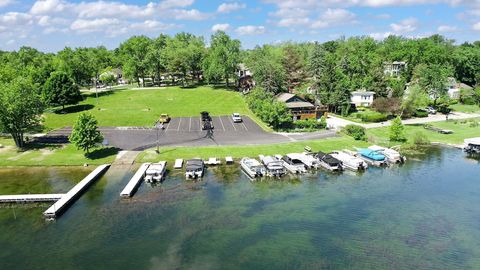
[362, 98]
[394, 68]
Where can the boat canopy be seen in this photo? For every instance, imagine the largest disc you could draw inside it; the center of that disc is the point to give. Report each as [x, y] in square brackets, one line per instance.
[371, 154]
[474, 141]
[194, 164]
[330, 160]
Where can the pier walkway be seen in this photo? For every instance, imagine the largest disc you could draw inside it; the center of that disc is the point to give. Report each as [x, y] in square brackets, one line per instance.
[57, 208]
[30, 198]
[135, 181]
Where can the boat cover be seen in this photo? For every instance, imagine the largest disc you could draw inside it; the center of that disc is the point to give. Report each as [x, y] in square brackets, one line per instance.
[371, 154]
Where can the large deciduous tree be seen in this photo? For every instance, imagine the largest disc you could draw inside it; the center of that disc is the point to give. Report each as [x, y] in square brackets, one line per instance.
[85, 134]
[20, 108]
[433, 79]
[135, 58]
[60, 90]
[222, 58]
[268, 72]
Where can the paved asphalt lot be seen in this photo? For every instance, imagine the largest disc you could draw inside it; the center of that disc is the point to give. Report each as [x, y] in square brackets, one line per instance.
[186, 131]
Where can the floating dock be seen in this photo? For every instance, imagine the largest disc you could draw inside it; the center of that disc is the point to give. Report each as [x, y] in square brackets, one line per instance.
[135, 181]
[56, 209]
[178, 163]
[30, 198]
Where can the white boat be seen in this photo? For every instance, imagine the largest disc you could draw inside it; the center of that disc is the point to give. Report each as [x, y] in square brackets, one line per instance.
[273, 166]
[472, 145]
[156, 172]
[309, 160]
[328, 161]
[391, 155]
[349, 161]
[293, 163]
[194, 168]
[252, 167]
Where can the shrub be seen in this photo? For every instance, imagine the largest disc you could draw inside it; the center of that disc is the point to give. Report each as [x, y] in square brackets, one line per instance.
[355, 131]
[474, 124]
[420, 139]
[310, 124]
[373, 117]
[397, 131]
[421, 113]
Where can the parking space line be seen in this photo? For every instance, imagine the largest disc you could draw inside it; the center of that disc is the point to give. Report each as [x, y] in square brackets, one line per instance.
[179, 123]
[221, 122]
[233, 125]
[190, 125]
[244, 126]
[168, 125]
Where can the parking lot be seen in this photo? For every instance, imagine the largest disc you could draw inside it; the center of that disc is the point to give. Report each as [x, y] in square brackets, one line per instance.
[220, 123]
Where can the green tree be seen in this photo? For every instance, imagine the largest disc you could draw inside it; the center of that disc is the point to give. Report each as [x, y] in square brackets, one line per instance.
[107, 77]
[397, 130]
[20, 108]
[222, 58]
[415, 98]
[184, 54]
[60, 90]
[433, 78]
[135, 57]
[156, 57]
[268, 72]
[85, 134]
[294, 66]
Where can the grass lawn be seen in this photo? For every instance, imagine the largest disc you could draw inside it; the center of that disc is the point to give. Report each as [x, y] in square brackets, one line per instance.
[143, 107]
[461, 130]
[172, 153]
[53, 155]
[465, 108]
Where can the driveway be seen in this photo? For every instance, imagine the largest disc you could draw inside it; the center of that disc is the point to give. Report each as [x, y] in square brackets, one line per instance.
[337, 123]
[186, 131]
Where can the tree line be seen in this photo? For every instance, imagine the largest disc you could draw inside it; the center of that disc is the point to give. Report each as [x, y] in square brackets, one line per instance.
[321, 72]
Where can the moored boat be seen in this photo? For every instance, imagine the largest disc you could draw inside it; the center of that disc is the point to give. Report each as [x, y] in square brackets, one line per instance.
[252, 167]
[391, 155]
[309, 160]
[293, 163]
[194, 168]
[372, 157]
[156, 172]
[273, 166]
[350, 161]
[472, 145]
[328, 162]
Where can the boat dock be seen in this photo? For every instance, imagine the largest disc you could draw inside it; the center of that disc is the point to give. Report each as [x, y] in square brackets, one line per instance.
[135, 181]
[30, 198]
[57, 208]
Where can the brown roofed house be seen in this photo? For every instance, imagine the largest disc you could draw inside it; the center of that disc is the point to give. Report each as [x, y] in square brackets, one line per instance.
[299, 108]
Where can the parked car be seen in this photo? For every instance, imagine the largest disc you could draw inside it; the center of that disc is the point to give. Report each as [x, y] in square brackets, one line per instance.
[164, 118]
[207, 123]
[431, 110]
[236, 118]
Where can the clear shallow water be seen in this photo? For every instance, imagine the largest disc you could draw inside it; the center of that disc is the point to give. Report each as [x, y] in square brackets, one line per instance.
[424, 215]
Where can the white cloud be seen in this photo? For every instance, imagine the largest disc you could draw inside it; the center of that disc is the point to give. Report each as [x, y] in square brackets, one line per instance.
[250, 30]
[405, 26]
[332, 17]
[229, 7]
[151, 25]
[14, 19]
[96, 25]
[4, 3]
[447, 28]
[476, 26]
[380, 36]
[383, 16]
[221, 27]
[48, 7]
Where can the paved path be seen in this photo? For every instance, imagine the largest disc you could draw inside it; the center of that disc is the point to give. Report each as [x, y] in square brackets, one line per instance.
[186, 131]
[336, 122]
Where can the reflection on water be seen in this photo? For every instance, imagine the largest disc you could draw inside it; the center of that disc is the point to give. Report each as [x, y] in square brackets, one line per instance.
[423, 215]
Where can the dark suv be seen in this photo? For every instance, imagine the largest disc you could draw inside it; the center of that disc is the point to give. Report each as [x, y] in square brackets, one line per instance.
[206, 121]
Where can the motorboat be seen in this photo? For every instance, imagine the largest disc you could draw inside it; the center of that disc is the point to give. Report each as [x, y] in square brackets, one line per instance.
[472, 145]
[328, 162]
[194, 168]
[156, 172]
[372, 157]
[309, 160]
[252, 167]
[349, 161]
[293, 163]
[273, 166]
[391, 155]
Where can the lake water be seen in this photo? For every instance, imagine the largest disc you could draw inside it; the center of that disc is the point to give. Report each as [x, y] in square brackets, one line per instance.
[423, 215]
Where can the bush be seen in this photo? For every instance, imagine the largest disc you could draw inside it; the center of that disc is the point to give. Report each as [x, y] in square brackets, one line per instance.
[372, 117]
[474, 124]
[310, 124]
[355, 131]
[421, 113]
[397, 131]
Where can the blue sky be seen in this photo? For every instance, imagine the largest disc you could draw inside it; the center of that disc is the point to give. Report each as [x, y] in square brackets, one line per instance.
[50, 25]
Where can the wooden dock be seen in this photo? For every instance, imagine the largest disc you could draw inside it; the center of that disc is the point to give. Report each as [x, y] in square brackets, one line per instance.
[56, 209]
[132, 185]
[30, 198]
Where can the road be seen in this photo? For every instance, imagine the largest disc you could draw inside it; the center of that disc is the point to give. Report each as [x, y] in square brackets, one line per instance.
[337, 123]
[186, 131]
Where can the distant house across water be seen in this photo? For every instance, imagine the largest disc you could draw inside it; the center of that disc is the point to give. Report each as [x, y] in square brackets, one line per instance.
[362, 98]
[299, 107]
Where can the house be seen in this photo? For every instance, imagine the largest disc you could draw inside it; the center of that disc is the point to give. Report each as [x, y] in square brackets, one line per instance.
[245, 78]
[298, 107]
[394, 69]
[362, 98]
[454, 88]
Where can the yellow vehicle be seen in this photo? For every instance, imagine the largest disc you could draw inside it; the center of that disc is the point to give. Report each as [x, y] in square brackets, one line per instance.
[164, 118]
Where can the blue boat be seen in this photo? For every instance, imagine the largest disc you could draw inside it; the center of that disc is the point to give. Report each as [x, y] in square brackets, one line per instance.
[371, 154]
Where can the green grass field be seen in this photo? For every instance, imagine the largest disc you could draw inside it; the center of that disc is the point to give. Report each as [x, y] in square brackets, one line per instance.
[466, 108]
[172, 153]
[461, 129]
[143, 107]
